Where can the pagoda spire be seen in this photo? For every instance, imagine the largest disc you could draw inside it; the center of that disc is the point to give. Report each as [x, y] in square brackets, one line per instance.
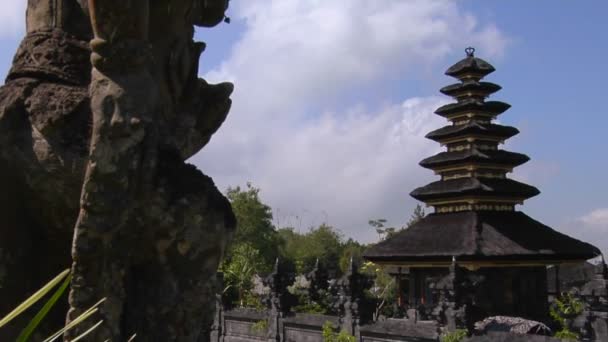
[473, 169]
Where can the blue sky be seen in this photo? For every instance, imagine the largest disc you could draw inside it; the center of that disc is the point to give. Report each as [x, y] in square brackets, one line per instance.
[333, 99]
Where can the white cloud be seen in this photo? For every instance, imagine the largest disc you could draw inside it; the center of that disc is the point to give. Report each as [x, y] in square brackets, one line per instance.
[12, 18]
[597, 218]
[300, 60]
[297, 50]
[591, 227]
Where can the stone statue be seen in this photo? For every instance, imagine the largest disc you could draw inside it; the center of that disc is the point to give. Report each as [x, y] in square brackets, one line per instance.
[98, 114]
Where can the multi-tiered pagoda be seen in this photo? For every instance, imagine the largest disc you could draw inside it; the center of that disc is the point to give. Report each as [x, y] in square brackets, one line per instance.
[475, 223]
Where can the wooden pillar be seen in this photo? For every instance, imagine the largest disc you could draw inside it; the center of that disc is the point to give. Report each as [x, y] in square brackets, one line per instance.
[399, 289]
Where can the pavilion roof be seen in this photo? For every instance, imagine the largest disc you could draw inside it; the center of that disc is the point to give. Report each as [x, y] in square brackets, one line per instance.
[509, 236]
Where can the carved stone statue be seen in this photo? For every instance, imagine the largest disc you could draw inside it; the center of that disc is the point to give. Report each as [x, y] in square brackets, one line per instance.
[98, 114]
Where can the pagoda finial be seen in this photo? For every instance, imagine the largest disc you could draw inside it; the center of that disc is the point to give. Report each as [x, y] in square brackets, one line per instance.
[470, 51]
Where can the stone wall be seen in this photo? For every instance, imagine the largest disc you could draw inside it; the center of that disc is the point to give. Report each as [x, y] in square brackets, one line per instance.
[240, 326]
[278, 323]
[511, 337]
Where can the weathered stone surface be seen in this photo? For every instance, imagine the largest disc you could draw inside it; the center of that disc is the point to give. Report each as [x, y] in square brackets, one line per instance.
[103, 149]
[511, 337]
[515, 325]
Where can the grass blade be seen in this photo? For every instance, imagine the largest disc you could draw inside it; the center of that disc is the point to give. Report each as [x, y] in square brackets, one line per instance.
[33, 324]
[88, 331]
[92, 310]
[34, 298]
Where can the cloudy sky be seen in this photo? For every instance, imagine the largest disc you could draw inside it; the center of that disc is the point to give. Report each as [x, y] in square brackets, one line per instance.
[333, 99]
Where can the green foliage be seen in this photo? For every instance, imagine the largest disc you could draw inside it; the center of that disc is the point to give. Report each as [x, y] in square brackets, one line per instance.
[387, 232]
[351, 249]
[64, 278]
[260, 326]
[50, 303]
[239, 270]
[254, 224]
[310, 308]
[417, 215]
[384, 289]
[301, 290]
[323, 243]
[565, 307]
[328, 331]
[343, 336]
[383, 232]
[250, 300]
[455, 336]
[34, 298]
[329, 334]
[566, 334]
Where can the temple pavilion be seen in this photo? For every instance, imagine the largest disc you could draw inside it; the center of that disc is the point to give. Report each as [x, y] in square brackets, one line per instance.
[475, 225]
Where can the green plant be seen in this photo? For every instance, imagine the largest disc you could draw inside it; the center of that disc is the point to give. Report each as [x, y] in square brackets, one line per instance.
[240, 269]
[63, 278]
[455, 336]
[384, 289]
[310, 307]
[250, 300]
[329, 334]
[33, 299]
[260, 326]
[566, 334]
[328, 331]
[565, 307]
[343, 336]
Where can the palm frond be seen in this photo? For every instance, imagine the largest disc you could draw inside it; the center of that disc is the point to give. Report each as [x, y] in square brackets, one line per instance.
[34, 298]
[33, 324]
[88, 313]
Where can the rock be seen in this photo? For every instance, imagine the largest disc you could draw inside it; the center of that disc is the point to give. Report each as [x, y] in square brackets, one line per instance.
[511, 324]
[157, 262]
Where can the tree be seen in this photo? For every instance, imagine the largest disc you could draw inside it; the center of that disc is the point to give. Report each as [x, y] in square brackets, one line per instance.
[383, 232]
[323, 243]
[254, 224]
[384, 290]
[417, 215]
[351, 250]
[245, 262]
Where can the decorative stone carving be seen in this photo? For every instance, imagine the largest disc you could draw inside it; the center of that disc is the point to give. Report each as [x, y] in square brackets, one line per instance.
[279, 300]
[451, 310]
[592, 323]
[319, 283]
[352, 307]
[99, 137]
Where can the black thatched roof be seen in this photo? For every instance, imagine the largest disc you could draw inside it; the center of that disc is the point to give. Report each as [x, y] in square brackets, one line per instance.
[470, 65]
[456, 89]
[479, 187]
[480, 235]
[489, 130]
[472, 104]
[500, 157]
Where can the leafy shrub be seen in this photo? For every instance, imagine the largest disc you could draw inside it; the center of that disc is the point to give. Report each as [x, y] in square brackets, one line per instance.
[565, 307]
[301, 290]
[566, 334]
[260, 326]
[329, 334]
[455, 336]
